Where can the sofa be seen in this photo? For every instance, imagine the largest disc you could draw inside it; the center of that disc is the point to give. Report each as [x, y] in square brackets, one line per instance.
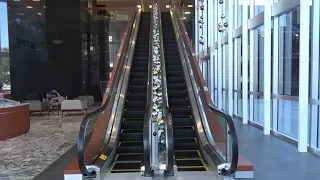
[89, 99]
[38, 106]
[73, 105]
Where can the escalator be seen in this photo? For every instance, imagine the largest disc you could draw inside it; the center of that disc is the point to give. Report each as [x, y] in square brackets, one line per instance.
[130, 146]
[186, 146]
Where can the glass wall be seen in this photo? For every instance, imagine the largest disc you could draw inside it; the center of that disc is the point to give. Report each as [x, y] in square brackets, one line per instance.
[286, 47]
[5, 85]
[289, 72]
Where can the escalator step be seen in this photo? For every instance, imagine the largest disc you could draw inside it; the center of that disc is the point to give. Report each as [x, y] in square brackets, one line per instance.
[127, 124]
[184, 132]
[181, 93]
[189, 162]
[177, 86]
[176, 102]
[175, 79]
[138, 75]
[133, 136]
[131, 143]
[182, 121]
[185, 144]
[129, 157]
[139, 69]
[136, 96]
[135, 104]
[137, 88]
[180, 110]
[192, 169]
[127, 166]
[133, 113]
[137, 81]
[186, 154]
[174, 68]
[174, 74]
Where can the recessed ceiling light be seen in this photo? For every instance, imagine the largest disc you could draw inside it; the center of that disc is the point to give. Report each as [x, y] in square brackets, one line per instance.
[150, 6]
[190, 6]
[16, 0]
[138, 6]
[44, 6]
[20, 14]
[184, 18]
[187, 12]
[29, 7]
[36, 0]
[40, 14]
[167, 6]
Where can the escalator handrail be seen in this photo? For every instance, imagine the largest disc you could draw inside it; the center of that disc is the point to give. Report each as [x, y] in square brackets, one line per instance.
[147, 116]
[167, 114]
[212, 108]
[90, 116]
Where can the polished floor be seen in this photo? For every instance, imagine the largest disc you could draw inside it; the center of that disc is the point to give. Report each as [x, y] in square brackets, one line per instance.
[273, 159]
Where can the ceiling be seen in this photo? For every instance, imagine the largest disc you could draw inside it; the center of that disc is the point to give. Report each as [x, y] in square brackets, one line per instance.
[133, 3]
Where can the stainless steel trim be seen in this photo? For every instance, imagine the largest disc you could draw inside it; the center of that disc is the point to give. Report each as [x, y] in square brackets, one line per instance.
[214, 46]
[256, 94]
[284, 6]
[237, 32]
[285, 97]
[256, 21]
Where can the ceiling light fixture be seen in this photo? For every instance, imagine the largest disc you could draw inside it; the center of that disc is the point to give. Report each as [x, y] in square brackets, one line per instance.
[20, 14]
[40, 14]
[167, 6]
[16, 0]
[190, 6]
[187, 12]
[29, 7]
[150, 6]
[139, 6]
[36, 0]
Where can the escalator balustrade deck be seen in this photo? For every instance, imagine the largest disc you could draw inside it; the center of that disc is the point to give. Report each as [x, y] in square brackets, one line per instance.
[186, 147]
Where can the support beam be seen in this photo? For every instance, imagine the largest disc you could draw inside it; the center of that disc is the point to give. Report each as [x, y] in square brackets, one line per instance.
[304, 76]
[230, 56]
[245, 35]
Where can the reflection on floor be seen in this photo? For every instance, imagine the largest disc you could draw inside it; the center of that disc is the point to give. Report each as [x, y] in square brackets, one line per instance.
[273, 158]
[51, 136]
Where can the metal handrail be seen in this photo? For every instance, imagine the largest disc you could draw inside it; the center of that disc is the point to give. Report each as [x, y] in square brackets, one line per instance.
[167, 114]
[148, 172]
[95, 114]
[232, 132]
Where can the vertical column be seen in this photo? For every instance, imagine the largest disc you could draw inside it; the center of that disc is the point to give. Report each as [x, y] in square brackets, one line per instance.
[315, 71]
[275, 65]
[253, 58]
[245, 62]
[211, 50]
[303, 76]
[230, 56]
[267, 67]
[235, 61]
[219, 63]
[205, 26]
[196, 26]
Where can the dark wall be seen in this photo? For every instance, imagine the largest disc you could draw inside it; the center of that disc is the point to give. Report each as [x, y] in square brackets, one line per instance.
[28, 55]
[63, 22]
